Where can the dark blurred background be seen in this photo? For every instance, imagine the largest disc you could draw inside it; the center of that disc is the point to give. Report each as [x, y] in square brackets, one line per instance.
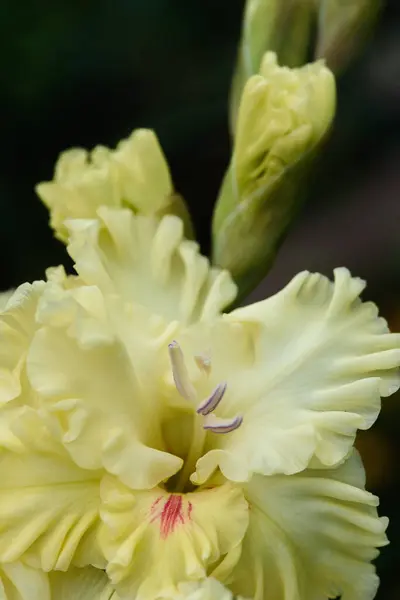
[85, 72]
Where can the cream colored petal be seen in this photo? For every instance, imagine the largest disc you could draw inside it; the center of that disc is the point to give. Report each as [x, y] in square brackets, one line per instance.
[134, 175]
[93, 372]
[59, 276]
[312, 535]
[48, 505]
[78, 189]
[81, 584]
[149, 263]
[79, 310]
[153, 540]
[21, 582]
[143, 171]
[317, 362]
[17, 326]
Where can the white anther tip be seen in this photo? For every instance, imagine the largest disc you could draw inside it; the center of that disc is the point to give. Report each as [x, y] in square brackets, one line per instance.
[180, 373]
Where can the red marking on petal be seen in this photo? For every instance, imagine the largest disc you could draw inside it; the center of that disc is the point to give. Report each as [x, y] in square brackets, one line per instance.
[155, 503]
[155, 514]
[171, 515]
[190, 508]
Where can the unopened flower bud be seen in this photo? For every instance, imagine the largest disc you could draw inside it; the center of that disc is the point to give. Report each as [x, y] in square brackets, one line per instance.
[282, 26]
[284, 114]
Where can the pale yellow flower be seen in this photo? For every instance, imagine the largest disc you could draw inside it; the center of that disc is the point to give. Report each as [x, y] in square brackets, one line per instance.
[169, 444]
[63, 531]
[135, 175]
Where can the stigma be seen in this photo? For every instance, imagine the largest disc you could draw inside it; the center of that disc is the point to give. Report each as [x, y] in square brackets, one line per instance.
[186, 389]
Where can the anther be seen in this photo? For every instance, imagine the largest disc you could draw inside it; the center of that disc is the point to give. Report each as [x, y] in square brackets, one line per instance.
[218, 425]
[210, 403]
[186, 390]
[180, 373]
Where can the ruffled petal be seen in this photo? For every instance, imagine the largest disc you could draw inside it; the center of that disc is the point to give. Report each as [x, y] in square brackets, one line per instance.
[134, 175]
[17, 326]
[48, 505]
[149, 263]
[153, 540]
[91, 366]
[312, 535]
[144, 180]
[305, 369]
[77, 190]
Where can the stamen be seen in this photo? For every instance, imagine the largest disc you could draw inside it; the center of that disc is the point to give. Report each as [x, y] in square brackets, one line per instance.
[218, 425]
[203, 362]
[180, 373]
[210, 403]
[186, 390]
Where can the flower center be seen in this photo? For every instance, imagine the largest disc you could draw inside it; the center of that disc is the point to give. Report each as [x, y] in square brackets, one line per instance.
[206, 406]
[204, 418]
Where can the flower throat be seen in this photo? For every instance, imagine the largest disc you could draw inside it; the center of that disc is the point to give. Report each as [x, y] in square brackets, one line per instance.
[204, 418]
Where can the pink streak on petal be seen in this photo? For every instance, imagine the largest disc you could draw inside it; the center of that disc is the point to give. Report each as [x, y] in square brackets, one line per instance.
[171, 515]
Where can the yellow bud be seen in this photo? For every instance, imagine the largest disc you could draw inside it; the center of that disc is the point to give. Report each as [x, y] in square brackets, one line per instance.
[343, 26]
[284, 114]
[134, 175]
[282, 26]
